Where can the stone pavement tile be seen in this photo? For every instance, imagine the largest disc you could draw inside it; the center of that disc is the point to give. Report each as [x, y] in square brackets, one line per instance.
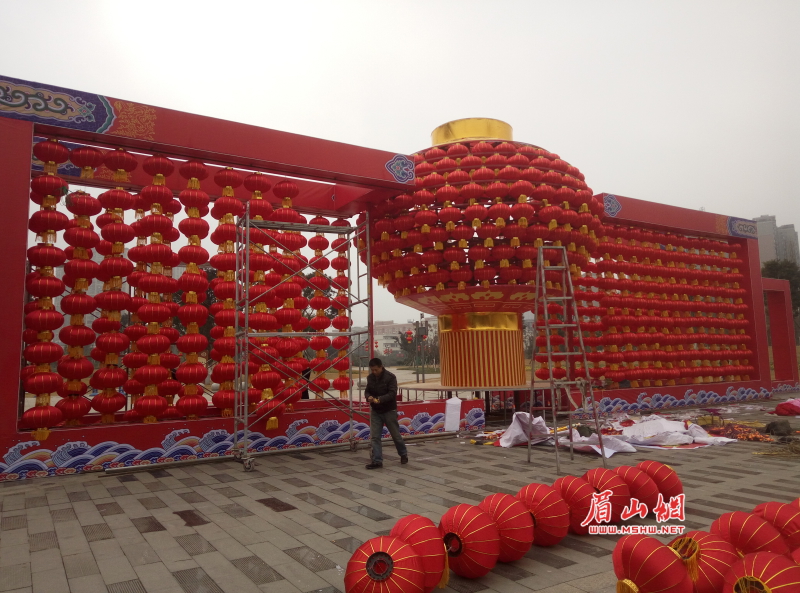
[176, 565]
[88, 584]
[109, 508]
[170, 552]
[14, 555]
[595, 582]
[13, 503]
[15, 576]
[43, 541]
[270, 554]
[116, 569]
[46, 559]
[14, 538]
[334, 576]
[496, 582]
[141, 553]
[156, 578]
[127, 535]
[40, 524]
[80, 565]
[51, 581]
[319, 544]
[562, 588]
[62, 515]
[258, 571]
[231, 549]
[300, 576]
[225, 574]
[282, 586]
[106, 549]
[11, 522]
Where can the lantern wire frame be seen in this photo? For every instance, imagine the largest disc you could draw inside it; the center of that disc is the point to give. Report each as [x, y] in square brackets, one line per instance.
[560, 389]
[243, 419]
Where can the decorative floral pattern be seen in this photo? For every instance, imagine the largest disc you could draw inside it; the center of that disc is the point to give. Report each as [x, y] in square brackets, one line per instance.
[611, 205]
[401, 168]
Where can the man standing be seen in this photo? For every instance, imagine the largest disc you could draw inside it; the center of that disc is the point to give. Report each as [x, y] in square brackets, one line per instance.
[381, 394]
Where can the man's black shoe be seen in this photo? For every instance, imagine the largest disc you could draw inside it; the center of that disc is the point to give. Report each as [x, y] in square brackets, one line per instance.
[404, 459]
[374, 465]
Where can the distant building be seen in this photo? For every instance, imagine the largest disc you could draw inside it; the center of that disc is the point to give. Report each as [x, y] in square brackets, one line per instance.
[777, 242]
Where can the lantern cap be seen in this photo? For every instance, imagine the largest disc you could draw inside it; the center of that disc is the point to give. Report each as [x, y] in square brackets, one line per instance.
[472, 128]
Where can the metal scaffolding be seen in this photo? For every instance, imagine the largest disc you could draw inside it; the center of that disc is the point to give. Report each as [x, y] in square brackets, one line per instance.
[561, 402]
[358, 292]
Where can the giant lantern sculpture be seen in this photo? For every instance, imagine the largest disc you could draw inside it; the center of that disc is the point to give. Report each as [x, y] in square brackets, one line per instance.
[464, 245]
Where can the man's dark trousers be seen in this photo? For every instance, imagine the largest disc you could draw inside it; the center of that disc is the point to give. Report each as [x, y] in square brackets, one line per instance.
[376, 422]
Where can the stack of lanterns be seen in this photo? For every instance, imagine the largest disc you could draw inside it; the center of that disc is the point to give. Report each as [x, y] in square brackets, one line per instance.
[741, 552]
[79, 272]
[193, 283]
[470, 234]
[114, 268]
[471, 539]
[341, 302]
[673, 309]
[41, 318]
[225, 209]
[320, 304]
[157, 254]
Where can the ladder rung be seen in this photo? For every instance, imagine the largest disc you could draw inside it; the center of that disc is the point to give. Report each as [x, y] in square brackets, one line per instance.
[566, 353]
[557, 298]
[553, 268]
[557, 325]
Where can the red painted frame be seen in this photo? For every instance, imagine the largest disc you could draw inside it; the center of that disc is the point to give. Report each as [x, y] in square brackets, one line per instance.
[784, 353]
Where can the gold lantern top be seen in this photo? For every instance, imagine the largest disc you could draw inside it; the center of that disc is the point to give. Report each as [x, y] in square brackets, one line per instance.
[472, 128]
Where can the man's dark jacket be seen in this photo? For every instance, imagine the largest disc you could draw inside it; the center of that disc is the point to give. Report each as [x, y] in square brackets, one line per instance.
[384, 387]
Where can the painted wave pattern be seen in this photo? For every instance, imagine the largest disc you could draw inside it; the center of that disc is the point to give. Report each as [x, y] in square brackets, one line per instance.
[25, 460]
[658, 401]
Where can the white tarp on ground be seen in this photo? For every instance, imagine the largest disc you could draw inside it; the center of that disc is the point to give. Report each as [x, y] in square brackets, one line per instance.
[591, 444]
[523, 428]
[651, 431]
[659, 432]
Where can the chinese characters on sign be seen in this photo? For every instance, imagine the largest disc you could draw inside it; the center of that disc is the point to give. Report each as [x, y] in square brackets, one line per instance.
[600, 512]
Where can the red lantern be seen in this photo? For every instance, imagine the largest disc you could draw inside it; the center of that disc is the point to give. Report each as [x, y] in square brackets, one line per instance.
[426, 540]
[783, 517]
[577, 493]
[707, 559]
[667, 481]
[641, 486]
[471, 539]
[550, 513]
[749, 533]
[763, 571]
[645, 565]
[514, 524]
[384, 565]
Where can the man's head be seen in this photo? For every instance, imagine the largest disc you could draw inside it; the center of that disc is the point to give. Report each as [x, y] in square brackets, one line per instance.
[376, 366]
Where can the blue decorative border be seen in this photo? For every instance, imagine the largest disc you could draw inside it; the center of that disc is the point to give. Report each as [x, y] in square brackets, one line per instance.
[401, 167]
[28, 460]
[741, 227]
[87, 111]
[611, 205]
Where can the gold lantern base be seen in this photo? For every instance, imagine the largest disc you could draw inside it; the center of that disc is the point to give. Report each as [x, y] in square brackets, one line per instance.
[481, 350]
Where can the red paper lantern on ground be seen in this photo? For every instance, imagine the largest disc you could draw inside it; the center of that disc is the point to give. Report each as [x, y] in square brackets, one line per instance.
[666, 479]
[783, 517]
[384, 565]
[749, 533]
[604, 479]
[471, 539]
[514, 523]
[707, 557]
[549, 511]
[770, 573]
[642, 487]
[645, 565]
[577, 493]
[426, 540]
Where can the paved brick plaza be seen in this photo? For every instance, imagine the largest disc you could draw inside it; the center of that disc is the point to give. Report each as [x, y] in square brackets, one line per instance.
[291, 525]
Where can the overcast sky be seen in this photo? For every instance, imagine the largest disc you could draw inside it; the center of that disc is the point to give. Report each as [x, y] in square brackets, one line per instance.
[691, 103]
